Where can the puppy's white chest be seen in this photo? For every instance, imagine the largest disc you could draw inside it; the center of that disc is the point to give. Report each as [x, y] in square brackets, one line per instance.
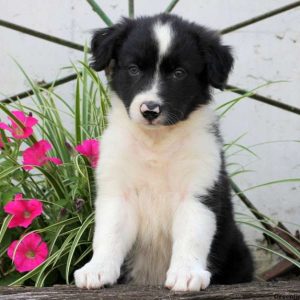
[156, 174]
[155, 196]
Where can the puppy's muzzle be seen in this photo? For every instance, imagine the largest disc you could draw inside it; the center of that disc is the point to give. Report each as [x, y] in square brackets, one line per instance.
[150, 110]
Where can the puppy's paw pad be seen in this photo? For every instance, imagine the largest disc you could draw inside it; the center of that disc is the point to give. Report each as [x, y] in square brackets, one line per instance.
[93, 276]
[188, 280]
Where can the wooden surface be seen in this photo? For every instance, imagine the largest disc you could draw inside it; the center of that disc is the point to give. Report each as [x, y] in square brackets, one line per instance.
[257, 290]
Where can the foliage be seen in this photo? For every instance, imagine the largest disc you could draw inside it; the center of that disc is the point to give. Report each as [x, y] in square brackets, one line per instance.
[66, 190]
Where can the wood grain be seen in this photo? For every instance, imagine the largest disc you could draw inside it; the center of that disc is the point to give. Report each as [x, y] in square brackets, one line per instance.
[255, 290]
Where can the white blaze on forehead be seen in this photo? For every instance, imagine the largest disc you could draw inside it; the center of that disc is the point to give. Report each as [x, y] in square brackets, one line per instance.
[163, 34]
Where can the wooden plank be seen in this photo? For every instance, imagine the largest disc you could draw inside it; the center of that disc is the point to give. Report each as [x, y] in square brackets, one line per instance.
[254, 290]
[279, 269]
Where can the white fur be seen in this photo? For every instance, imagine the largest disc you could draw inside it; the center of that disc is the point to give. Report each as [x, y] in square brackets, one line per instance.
[147, 182]
[193, 229]
[163, 34]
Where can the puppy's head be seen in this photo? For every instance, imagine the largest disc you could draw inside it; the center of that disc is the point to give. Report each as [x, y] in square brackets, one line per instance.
[162, 66]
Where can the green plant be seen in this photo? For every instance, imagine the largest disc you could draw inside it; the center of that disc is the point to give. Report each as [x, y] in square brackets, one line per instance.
[66, 191]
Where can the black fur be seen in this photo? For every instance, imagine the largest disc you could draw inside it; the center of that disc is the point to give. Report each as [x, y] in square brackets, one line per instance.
[207, 63]
[195, 48]
[230, 260]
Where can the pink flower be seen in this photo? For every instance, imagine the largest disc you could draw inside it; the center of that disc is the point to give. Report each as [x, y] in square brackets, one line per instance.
[90, 148]
[28, 253]
[16, 131]
[23, 211]
[36, 155]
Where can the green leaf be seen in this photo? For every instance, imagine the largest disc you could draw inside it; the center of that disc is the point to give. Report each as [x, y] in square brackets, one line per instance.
[57, 186]
[77, 114]
[4, 174]
[293, 261]
[4, 227]
[88, 222]
[288, 180]
[274, 236]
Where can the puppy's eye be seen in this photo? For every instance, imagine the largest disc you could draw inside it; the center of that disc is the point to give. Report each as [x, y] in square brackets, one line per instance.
[179, 73]
[133, 70]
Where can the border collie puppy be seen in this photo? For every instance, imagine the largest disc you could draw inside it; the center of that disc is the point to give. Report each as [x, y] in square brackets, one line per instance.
[163, 209]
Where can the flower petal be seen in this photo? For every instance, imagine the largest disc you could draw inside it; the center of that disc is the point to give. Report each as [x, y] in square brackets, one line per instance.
[25, 222]
[80, 149]
[14, 207]
[26, 265]
[55, 160]
[36, 155]
[17, 221]
[4, 126]
[32, 240]
[27, 168]
[19, 197]
[30, 121]
[44, 145]
[23, 134]
[19, 115]
[33, 243]
[90, 148]
[11, 249]
[42, 250]
[35, 207]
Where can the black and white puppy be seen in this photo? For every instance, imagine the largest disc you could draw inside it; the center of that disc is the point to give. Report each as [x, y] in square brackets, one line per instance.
[163, 209]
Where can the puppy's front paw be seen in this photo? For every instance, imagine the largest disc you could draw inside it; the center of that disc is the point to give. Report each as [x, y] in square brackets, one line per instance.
[182, 279]
[96, 275]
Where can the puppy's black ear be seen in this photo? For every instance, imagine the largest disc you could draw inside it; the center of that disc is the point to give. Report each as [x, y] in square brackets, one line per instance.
[105, 42]
[219, 62]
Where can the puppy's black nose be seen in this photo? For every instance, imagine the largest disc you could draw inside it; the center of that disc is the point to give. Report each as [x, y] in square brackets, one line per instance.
[150, 110]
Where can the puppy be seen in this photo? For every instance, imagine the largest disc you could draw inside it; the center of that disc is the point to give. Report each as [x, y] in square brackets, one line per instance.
[163, 209]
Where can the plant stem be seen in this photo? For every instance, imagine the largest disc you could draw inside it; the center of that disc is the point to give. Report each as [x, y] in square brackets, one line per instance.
[264, 99]
[260, 17]
[41, 35]
[131, 8]
[97, 9]
[171, 6]
[44, 86]
[248, 203]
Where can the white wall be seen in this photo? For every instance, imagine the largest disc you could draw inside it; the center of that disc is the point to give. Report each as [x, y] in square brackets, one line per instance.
[268, 50]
